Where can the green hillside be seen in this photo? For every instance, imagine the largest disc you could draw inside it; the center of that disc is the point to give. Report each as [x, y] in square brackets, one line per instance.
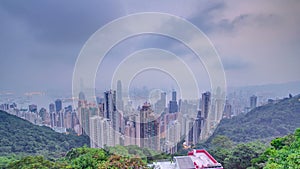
[20, 137]
[263, 123]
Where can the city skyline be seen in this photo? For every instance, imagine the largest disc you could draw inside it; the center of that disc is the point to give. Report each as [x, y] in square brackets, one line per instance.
[40, 48]
[159, 125]
[108, 126]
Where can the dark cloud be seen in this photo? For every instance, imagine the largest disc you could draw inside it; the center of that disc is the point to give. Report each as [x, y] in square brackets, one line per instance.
[203, 19]
[246, 20]
[40, 40]
[64, 22]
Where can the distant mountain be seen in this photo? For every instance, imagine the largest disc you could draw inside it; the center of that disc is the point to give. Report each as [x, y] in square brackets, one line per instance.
[20, 137]
[272, 90]
[263, 123]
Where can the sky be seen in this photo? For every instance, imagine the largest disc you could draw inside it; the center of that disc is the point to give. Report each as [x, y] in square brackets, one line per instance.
[257, 41]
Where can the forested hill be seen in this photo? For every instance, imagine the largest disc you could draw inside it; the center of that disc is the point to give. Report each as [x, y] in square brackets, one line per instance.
[20, 137]
[263, 123]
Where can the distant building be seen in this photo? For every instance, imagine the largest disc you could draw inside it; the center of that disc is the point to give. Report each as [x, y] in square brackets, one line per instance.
[206, 104]
[173, 106]
[51, 107]
[197, 128]
[32, 108]
[58, 105]
[84, 119]
[172, 137]
[120, 103]
[111, 113]
[81, 96]
[160, 105]
[100, 132]
[109, 103]
[43, 113]
[53, 119]
[68, 117]
[149, 128]
[253, 102]
[129, 134]
[227, 110]
[61, 117]
[206, 114]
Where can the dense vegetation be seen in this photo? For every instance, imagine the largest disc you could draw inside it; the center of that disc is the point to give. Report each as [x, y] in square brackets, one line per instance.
[134, 151]
[19, 137]
[281, 153]
[110, 157]
[263, 123]
[80, 158]
[235, 156]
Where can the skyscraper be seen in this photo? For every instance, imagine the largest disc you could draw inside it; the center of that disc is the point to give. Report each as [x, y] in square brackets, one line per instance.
[206, 103]
[81, 96]
[96, 134]
[109, 103]
[253, 102]
[129, 134]
[52, 115]
[100, 132]
[174, 96]
[206, 114]
[111, 113]
[149, 128]
[173, 106]
[172, 137]
[160, 105]
[51, 107]
[84, 119]
[120, 103]
[58, 105]
[219, 108]
[227, 110]
[59, 112]
[33, 108]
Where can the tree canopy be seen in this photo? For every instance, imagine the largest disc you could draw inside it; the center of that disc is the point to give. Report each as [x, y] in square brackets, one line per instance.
[262, 123]
[20, 137]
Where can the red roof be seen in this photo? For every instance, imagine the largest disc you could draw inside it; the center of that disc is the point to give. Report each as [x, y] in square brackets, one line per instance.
[202, 159]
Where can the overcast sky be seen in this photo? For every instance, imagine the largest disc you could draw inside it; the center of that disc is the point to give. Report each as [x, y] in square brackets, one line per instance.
[258, 41]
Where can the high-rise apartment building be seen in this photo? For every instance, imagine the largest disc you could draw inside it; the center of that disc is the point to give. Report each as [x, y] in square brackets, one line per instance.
[253, 102]
[206, 114]
[206, 104]
[173, 106]
[111, 113]
[160, 105]
[120, 103]
[58, 105]
[109, 104]
[129, 134]
[51, 107]
[227, 110]
[101, 132]
[149, 128]
[172, 137]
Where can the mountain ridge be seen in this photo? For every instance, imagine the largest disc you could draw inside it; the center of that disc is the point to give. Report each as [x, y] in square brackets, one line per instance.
[21, 137]
[262, 123]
